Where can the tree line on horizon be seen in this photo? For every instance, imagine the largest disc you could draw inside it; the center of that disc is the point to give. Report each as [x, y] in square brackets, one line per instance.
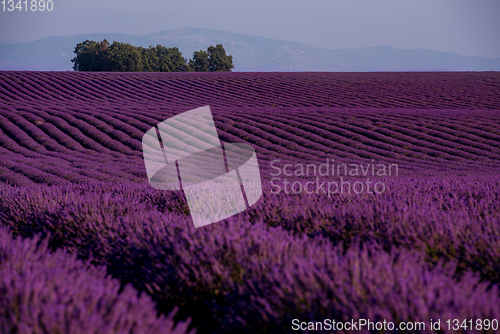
[124, 57]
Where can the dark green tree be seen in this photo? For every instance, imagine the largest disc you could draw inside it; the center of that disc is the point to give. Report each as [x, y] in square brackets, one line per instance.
[169, 59]
[101, 56]
[124, 57]
[199, 63]
[218, 61]
[91, 56]
[149, 59]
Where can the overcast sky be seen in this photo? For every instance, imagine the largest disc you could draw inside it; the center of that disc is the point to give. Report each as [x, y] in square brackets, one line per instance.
[468, 27]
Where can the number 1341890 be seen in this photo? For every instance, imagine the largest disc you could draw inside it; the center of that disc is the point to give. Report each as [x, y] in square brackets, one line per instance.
[27, 5]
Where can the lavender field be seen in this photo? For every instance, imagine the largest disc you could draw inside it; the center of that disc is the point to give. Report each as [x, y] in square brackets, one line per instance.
[88, 246]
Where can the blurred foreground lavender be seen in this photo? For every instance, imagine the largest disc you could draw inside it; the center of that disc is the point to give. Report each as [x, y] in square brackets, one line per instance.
[44, 292]
[413, 253]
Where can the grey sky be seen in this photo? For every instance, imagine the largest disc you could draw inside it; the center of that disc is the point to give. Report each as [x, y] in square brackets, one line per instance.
[468, 27]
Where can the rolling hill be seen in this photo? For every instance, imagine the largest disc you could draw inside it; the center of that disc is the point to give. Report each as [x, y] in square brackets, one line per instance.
[250, 53]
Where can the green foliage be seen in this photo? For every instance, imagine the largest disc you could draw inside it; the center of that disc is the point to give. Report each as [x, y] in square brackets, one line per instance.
[212, 60]
[91, 56]
[123, 57]
[100, 56]
[218, 61]
[199, 63]
[162, 59]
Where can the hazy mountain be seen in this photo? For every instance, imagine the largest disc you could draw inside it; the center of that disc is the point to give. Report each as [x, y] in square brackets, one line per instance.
[250, 53]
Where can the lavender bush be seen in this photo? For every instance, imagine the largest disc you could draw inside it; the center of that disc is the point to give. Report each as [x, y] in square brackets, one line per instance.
[44, 292]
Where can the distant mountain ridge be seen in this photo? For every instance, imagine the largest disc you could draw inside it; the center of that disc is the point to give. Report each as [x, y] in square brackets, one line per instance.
[250, 53]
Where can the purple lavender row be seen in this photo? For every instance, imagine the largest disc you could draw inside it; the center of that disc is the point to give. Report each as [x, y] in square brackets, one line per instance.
[379, 90]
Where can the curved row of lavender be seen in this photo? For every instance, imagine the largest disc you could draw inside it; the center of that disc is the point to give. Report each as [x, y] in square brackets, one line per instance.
[427, 248]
